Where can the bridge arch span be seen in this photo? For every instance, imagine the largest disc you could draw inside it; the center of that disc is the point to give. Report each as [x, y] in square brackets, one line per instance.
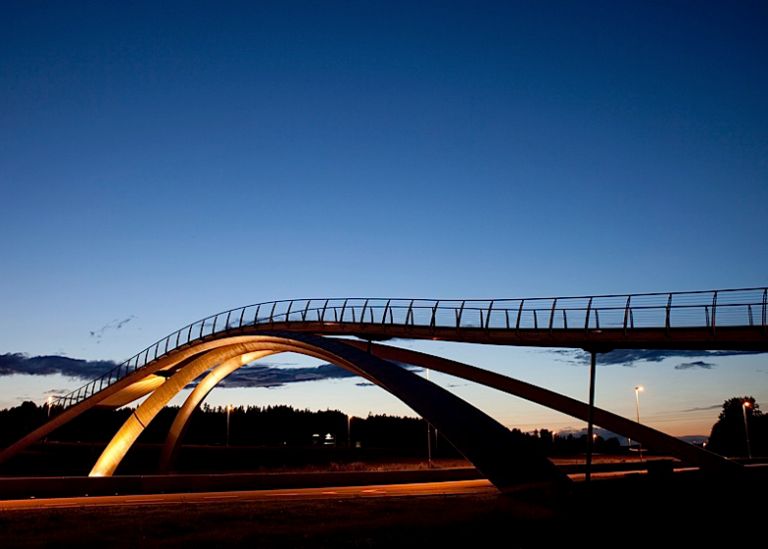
[193, 401]
[649, 437]
[503, 458]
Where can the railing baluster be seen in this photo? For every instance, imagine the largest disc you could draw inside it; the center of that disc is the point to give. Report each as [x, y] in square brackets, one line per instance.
[343, 310]
[272, 314]
[240, 322]
[535, 320]
[459, 313]
[226, 322]
[506, 315]
[256, 315]
[306, 309]
[384, 314]
[433, 320]
[552, 314]
[288, 312]
[626, 313]
[488, 316]
[669, 313]
[409, 314]
[362, 313]
[519, 314]
[589, 310]
[565, 320]
[714, 312]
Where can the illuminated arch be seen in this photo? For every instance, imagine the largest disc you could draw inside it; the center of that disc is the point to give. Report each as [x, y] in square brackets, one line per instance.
[649, 437]
[120, 392]
[503, 458]
[198, 394]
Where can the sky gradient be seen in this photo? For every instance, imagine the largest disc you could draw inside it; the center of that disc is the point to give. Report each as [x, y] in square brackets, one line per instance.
[159, 163]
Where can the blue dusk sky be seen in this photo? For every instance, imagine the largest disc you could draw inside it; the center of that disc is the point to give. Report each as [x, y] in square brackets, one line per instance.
[162, 161]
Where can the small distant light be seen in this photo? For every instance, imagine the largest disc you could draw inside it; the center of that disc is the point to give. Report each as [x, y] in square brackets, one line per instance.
[640, 388]
[747, 404]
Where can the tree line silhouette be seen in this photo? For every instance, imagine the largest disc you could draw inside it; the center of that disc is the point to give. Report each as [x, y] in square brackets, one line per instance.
[271, 426]
[285, 426]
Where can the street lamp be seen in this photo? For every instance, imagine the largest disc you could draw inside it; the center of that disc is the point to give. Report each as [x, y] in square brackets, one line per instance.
[638, 389]
[744, 405]
[229, 409]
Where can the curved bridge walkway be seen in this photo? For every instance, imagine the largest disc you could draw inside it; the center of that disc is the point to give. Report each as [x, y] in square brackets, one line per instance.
[214, 347]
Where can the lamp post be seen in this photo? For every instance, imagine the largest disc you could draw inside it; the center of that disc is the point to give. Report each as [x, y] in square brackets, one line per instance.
[229, 409]
[48, 404]
[638, 390]
[744, 405]
[349, 431]
[429, 437]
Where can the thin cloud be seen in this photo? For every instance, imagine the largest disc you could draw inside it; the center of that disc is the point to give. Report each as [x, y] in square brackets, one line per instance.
[56, 392]
[268, 376]
[704, 408]
[260, 375]
[116, 324]
[697, 364]
[629, 357]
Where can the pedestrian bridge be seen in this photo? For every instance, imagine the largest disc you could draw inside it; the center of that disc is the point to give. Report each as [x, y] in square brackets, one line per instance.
[348, 332]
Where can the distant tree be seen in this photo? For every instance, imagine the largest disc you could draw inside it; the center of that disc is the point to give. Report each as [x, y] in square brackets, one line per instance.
[546, 439]
[728, 435]
[732, 408]
[17, 422]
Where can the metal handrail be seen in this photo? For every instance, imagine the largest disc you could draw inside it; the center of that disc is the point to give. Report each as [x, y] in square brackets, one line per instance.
[709, 309]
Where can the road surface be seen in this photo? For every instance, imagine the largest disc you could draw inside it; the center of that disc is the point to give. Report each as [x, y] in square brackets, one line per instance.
[477, 486]
[345, 492]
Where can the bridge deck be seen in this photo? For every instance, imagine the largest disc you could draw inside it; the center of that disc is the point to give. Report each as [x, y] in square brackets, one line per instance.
[717, 319]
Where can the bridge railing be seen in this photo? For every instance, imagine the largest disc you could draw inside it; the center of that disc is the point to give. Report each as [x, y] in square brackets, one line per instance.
[702, 309]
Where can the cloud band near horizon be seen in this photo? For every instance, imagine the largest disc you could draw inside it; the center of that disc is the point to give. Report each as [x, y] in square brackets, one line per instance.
[253, 375]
